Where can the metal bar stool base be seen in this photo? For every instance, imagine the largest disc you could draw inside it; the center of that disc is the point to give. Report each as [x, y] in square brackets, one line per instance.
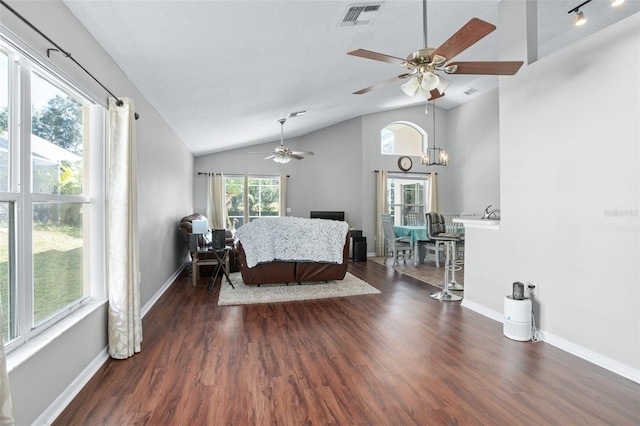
[453, 286]
[446, 296]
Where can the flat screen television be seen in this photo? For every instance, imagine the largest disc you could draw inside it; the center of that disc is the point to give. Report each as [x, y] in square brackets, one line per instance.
[332, 215]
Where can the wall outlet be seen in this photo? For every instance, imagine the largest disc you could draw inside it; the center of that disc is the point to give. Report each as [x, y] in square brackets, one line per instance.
[532, 289]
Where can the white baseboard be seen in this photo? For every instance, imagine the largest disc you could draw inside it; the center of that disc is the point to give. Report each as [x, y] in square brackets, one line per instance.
[490, 313]
[53, 411]
[567, 346]
[147, 306]
[593, 357]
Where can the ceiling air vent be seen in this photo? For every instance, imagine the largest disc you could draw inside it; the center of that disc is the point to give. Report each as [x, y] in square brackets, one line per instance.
[359, 14]
[470, 90]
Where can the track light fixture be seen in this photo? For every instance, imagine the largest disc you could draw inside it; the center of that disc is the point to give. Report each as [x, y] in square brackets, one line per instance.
[580, 19]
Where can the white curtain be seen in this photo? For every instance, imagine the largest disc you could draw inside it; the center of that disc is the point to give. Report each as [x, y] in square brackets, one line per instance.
[432, 205]
[216, 212]
[125, 323]
[381, 208]
[283, 195]
[6, 405]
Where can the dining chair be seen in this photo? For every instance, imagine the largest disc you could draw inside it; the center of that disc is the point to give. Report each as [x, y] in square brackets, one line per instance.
[394, 244]
[414, 218]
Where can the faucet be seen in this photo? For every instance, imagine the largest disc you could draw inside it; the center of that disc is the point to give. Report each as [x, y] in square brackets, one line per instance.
[487, 213]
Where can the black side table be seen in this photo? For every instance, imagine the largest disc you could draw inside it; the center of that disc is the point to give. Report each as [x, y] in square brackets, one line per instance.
[221, 257]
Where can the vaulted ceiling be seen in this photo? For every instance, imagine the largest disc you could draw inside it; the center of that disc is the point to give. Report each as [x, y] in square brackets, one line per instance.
[221, 73]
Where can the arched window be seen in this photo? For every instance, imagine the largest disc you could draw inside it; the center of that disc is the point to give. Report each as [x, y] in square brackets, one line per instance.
[403, 138]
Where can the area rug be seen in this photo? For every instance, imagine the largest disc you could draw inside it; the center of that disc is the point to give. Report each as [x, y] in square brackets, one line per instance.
[270, 293]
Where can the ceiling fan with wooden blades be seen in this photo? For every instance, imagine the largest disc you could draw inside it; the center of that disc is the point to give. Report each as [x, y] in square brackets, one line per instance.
[427, 65]
[282, 154]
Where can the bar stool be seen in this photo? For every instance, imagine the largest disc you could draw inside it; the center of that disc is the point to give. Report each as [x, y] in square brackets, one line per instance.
[436, 231]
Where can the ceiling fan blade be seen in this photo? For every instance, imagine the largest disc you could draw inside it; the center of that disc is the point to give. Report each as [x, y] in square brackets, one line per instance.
[382, 84]
[486, 68]
[302, 152]
[469, 34]
[269, 157]
[368, 54]
[295, 157]
[435, 94]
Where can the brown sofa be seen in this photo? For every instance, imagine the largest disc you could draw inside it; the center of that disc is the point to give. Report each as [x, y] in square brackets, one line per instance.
[186, 228]
[290, 272]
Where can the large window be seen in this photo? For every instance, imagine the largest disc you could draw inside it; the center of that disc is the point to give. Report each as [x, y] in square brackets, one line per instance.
[250, 197]
[406, 194]
[46, 195]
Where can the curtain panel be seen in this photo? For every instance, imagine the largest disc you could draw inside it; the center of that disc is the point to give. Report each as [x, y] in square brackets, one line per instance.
[125, 323]
[432, 205]
[216, 209]
[381, 208]
[283, 195]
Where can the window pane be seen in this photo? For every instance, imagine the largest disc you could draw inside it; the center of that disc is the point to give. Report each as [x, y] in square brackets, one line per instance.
[235, 202]
[57, 258]
[56, 140]
[8, 295]
[4, 121]
[405, 195]
[402, 139]
[264, 197]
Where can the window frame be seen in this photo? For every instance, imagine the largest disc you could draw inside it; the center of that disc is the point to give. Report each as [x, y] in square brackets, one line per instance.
[247, 217]
[402, 145]
[23, 62]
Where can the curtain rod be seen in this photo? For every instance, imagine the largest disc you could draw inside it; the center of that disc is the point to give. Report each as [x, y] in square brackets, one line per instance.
[409, 173]
[212, 173]
[64, 52]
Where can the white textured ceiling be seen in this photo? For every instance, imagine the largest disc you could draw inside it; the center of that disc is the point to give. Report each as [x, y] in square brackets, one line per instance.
[221, 73]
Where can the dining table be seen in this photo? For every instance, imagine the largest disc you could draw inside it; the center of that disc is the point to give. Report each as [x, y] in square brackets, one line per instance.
[415, 233]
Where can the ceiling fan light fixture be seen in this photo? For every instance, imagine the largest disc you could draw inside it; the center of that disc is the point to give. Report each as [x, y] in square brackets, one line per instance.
[451, 69]
[282, 159]
[442, 85]
[430, 81]
[410, 88]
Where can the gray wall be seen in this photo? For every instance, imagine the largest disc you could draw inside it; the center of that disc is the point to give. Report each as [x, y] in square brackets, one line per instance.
[570, 185]
[340, 176]
[165, 181]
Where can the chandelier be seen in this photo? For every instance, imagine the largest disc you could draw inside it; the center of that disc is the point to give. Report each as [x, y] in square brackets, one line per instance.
[434, 156]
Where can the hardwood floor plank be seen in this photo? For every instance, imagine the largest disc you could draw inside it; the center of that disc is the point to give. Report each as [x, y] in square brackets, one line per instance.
[398, 357]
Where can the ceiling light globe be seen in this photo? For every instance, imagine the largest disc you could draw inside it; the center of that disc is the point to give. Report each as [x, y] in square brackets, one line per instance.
[430, 81]
[410, 88]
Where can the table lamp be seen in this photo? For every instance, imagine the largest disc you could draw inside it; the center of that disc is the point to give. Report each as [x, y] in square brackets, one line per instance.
[200, 227]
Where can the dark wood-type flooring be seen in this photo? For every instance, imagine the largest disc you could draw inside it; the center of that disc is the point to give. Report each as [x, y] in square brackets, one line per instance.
[395, 358]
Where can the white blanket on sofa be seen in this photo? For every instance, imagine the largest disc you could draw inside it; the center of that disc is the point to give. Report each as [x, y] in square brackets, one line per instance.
[293, 239]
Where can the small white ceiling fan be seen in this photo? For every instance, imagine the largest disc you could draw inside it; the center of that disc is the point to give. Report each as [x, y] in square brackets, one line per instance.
[282, 154]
